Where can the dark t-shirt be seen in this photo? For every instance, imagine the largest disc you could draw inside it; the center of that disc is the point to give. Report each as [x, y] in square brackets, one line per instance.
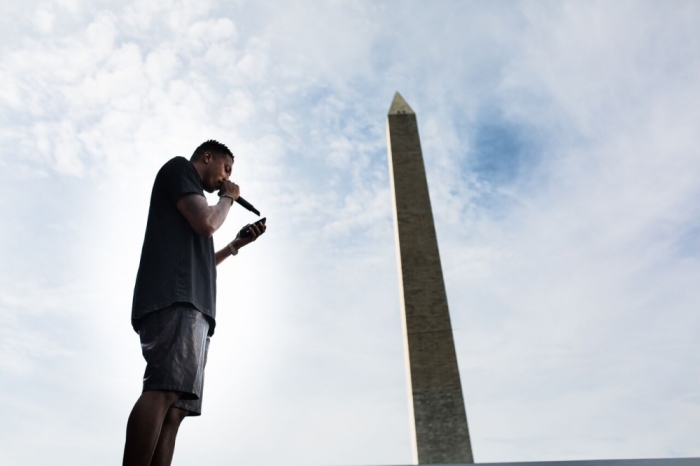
[177, 264]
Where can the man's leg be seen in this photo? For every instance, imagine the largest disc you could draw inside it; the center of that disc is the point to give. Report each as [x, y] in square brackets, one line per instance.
[144, 426]
[163, 455]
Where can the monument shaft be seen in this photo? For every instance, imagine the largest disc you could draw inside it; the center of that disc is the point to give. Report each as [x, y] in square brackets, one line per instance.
[441, 431]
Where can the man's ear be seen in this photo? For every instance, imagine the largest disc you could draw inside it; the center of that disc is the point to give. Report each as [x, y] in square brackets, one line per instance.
[207, 157]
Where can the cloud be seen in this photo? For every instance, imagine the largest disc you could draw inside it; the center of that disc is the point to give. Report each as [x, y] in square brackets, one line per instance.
[559, 142]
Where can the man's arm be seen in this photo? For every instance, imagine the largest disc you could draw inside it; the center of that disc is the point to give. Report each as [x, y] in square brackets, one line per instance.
[203, 218]
[222, 254]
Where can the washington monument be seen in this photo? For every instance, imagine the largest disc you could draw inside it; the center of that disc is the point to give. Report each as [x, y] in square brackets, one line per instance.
[440, 433]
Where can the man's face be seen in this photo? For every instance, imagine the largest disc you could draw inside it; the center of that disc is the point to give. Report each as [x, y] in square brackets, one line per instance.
[219, 168]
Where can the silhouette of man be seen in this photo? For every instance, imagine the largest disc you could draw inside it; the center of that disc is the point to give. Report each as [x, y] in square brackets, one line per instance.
[174, 307]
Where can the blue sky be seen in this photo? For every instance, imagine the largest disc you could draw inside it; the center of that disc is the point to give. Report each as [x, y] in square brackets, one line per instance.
[561, 147]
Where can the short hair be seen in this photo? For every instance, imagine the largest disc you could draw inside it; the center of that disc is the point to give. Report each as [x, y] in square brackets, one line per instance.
[215, 147]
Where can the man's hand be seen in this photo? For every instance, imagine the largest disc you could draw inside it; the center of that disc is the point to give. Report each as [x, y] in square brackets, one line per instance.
[231, 188]
[256, 229]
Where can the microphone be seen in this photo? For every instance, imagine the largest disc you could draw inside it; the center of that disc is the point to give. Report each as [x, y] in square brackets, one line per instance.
[248, 205]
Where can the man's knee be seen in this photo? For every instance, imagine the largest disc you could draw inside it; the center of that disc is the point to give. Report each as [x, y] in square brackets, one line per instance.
[175, 416]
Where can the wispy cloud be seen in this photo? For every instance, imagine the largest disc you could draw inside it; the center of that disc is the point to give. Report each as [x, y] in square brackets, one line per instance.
[560, 144]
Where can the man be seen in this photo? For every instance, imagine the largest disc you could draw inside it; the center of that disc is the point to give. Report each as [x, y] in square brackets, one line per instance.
[174, 307]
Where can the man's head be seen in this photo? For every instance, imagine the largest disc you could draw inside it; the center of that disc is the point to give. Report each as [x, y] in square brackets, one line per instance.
[213, 162]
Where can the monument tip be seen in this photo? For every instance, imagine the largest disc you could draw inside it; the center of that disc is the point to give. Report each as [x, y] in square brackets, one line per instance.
[399, 106]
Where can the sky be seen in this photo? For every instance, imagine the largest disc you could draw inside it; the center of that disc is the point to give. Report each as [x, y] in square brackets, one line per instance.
[561, 143]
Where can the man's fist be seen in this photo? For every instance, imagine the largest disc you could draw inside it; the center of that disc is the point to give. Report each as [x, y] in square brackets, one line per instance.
[231, 188]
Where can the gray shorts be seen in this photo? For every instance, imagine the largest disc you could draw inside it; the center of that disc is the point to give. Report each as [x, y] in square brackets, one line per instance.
[174, 343]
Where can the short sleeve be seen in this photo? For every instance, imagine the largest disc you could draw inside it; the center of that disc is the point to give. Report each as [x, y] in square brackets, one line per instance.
[182, 178]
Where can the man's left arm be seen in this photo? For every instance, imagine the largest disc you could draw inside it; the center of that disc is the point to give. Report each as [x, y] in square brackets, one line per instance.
[255, 231]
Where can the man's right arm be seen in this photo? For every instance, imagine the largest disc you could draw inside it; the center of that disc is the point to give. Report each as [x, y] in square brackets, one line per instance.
[203, 218]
